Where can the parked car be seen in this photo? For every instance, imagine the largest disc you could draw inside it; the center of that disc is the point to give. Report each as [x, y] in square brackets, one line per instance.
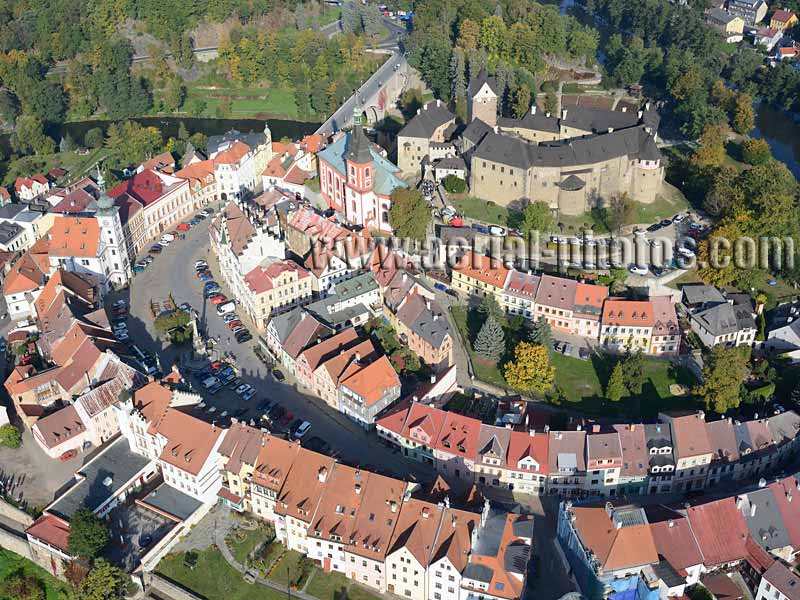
[242, 388]
[207, 276]
[248, 394]
[654, 227]
[480, 228]
[278, 374]
[440, 286]
[677, 218]
[68, 455]
[637, 270]
[302, 430]
[218, 299]
[226, 307]
[200, 264]
[243, 337]
[184, 227]
[496, 230]
[665, 223]
[156, 249]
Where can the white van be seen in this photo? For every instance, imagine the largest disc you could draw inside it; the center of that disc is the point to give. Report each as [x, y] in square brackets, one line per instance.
[168, 237]
[226, 307]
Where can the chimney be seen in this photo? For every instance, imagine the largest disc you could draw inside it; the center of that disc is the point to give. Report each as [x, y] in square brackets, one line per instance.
[532, 433]
[624, 109]
[633, 427]
[425, 512]
[393, 506]
[618, 524]
[447, 505]
[425, 107]
[495, 128]
[302, 315]
[358, 488]
[739, 502]
[641, 114]
[485, 511]
[418, 111]
[433, 379]
[547, 114]
[596, 428]
[415, 399]
[533, 108]
[610, 130]
[579, 428]
[563, 114]
[752, 509]
[671, 523]
[438, 102]
[428, 304]
[357, 356]
[322, 474]
[435, 318]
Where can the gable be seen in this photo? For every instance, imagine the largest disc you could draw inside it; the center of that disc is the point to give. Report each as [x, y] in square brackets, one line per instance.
[485, 92]
[529, 463]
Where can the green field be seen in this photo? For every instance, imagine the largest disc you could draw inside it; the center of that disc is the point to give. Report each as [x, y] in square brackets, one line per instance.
[276, 102]
[583, 383]
[76, 164]
[12, 563]
[481, 210]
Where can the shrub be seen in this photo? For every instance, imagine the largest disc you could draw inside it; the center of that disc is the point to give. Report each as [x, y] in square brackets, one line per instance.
[454, 184]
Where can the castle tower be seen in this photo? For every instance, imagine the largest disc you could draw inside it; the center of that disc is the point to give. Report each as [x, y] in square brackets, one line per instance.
[482, 98]
[116, 253]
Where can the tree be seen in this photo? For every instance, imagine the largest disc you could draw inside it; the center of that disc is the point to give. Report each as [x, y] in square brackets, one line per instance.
[409, 214]
[522, 101]
[468, 34]
[9, 106]
[530, 371]
[105, 582]
[540, 333]
[454, 184]
[29, 136]
[537, 218]
[550, 104]
[744, 117]
[723, 375]
[93, 138]
[490, 307]
[10, 436]
[633, 372]
[183, 133]
[88, 534]
[490, 341]
[615, 389]
[22, 587]
[620, 211]
[755, 151]
[712, 146]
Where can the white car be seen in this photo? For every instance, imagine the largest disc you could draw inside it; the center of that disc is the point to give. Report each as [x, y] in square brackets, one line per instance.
[677, 218]
[200, 263]
[204, 212]
[248, 394]
[301, 430]
[637, 270]
[496, 230]
[242, 389]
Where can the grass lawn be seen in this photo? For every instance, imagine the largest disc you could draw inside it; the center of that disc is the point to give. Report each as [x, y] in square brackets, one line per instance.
[481, 210]
[583, 383]
[485, 370]
[327, 586]
[213, 577]
[11, 563]
[289, 569]
[276, 102]
[242, 542]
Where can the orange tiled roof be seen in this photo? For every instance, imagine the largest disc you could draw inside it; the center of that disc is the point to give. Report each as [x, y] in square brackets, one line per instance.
[189, 440]
[482, 268]
[233, 154]
[623, 548]
[74, 236]
[262, 278]
[638, 313]
[371, 381]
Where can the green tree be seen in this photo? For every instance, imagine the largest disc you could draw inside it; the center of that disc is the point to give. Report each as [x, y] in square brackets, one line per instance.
[489, 306]
[454, 184]
[723, 375]
[93, 138]
[88, 534]
[490, 341]
[744, 117]
[711, 151]
[10, 436]
[29, 136]
[409, 214]
[615, 389]
[493, 35]
[530, 371]
[633, 372]
[755, 151]
[550, 103]
[183, 133]
[19, 586]
[540, 333]
[105, 581]
[522, 101]
[9, 107]
[537, 217]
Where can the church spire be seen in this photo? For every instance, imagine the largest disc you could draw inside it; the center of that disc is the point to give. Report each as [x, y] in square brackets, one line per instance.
[358, 150]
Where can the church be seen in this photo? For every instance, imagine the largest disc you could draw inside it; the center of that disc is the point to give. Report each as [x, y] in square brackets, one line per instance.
[356, 180]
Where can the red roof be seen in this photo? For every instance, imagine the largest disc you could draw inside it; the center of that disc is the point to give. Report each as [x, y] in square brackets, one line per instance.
[675, 542]
[720, 531]
[459, 436]
[262, 278]
[50, 529]
[523, 445]
[146, 187]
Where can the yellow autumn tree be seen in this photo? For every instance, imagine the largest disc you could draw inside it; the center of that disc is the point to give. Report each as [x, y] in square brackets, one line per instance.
[530, 372]
[716, 254]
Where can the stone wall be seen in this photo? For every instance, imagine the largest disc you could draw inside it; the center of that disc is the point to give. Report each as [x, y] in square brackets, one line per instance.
[12, 513]
[15, 543]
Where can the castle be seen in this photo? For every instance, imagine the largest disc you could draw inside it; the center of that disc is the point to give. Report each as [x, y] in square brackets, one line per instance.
[573, 161]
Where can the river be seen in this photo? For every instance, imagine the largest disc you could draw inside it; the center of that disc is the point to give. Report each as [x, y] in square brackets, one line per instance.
[781, 130]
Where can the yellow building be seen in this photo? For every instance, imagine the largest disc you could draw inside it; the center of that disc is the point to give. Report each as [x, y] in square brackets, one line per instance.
[479, 275]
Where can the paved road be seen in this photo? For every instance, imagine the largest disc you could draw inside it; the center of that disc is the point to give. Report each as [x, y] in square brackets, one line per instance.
[173, 271]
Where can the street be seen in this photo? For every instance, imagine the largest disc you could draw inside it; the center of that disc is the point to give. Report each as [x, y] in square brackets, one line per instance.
[173, 272]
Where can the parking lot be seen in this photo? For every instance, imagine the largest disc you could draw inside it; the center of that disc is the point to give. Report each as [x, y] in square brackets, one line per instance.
[173, 272]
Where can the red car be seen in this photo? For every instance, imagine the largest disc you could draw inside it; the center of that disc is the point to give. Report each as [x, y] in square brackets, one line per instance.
[218, 299]
[216, 365]
[68, 455]
[26, 359]
[203, 272]
[184, 227]
[234, 324]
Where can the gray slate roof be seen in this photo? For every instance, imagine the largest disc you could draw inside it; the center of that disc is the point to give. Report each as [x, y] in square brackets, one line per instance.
[252, 139]
[764, 519]
[516, 152]
[428, 118]
[534, 121]
[476, 83]
[476, 131]
[702, 294]
[598, 120]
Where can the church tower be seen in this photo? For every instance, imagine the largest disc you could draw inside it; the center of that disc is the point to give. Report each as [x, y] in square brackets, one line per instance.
[482, 98]
[116, 256]
[358, 158]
